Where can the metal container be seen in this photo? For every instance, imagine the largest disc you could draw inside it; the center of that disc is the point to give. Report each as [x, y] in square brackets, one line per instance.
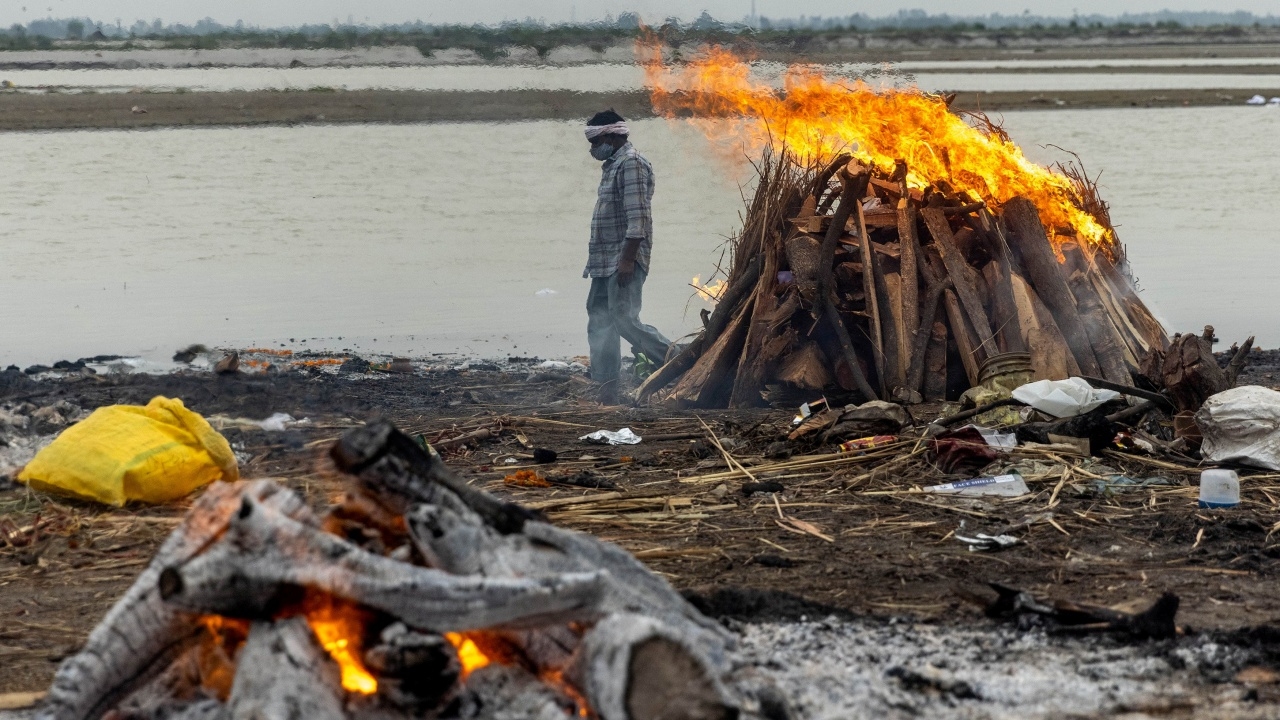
[1006, 370]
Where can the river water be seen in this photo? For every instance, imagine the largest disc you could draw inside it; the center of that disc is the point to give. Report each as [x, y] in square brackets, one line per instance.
[471, 237]
[620, 77]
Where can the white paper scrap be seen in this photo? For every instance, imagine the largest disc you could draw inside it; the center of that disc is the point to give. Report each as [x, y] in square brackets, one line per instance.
[1006, 485]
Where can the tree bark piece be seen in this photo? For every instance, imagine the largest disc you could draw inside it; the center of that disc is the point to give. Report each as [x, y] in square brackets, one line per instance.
[508, 692]
[1191, 374]
[851, 189]
[263, 552]
[142, 634]
[1049, 355]
[1041, 265]
[1130, 336]
[831, 316]
[282, 672]
[963, 277]
[919, 352]
[1239, 361]
[458, 543]
[639, 607]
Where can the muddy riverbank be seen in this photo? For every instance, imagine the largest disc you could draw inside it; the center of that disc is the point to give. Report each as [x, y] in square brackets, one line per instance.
[846, 535]
[77, 111]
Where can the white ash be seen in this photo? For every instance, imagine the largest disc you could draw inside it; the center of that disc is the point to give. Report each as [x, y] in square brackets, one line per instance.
[837, 670]
[17, 450]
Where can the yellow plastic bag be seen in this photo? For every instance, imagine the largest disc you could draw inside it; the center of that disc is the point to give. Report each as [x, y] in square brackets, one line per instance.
[154, 454]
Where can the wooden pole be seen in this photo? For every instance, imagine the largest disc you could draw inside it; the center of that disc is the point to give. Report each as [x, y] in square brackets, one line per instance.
[963, 277]
[889, 295]
[853, 187]
[869, 271]
[1149, 330]
[1004, 313]
[832, 317]
[746, 380]
[1045, 273]
[966, 343]
[920, 346]
[1051, 357]
[935, 362]
[910, 277]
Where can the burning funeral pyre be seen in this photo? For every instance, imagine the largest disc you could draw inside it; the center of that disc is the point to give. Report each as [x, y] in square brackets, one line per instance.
[416, 596]
[895, 250]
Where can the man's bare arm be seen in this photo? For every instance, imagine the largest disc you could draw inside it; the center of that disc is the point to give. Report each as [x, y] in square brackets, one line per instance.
[627, 261]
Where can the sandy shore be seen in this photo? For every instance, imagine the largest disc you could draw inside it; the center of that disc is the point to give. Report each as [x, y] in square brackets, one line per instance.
[56, 111]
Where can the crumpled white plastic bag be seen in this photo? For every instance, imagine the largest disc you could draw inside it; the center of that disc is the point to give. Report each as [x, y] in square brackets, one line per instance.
[1064, 398]
[608, 437]
[1242, 425]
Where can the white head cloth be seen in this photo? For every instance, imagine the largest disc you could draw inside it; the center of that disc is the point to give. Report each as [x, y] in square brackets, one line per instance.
[618, 128]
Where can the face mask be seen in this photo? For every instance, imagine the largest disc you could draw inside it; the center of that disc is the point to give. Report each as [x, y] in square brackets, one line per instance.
[603, 151]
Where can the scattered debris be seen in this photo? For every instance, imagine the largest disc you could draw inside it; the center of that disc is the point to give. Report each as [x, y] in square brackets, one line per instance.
[153, 454]
[1063, 398]
[229, 364]
[526, 478]
[1155, 622]
[984, 542]
[1004, 485]
[1242, 425]
[1219, 489]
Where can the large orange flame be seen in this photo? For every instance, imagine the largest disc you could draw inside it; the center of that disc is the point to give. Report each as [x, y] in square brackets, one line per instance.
[816, 118]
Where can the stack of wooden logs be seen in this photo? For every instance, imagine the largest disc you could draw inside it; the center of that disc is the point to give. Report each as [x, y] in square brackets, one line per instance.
[845, 281]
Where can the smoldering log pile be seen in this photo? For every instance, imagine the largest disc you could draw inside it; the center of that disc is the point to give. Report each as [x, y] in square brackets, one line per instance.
[846, 282]
[416, 596]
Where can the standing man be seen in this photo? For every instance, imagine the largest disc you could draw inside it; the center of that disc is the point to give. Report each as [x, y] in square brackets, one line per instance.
[618, 254]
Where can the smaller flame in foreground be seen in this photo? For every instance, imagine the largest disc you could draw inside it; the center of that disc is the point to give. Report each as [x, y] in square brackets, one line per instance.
[469, 654]
[712, 291]
[339, 633]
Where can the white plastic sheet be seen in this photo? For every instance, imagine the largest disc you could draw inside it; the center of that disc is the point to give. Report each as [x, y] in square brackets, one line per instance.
[1242, 425]
[608, 437]
[1063, 398]
[278, 422]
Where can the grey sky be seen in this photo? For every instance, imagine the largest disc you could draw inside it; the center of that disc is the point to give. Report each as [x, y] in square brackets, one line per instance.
[489, 11]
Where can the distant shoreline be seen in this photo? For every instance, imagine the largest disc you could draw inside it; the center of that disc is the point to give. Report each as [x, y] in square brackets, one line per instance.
[58, 111]
[852, 49]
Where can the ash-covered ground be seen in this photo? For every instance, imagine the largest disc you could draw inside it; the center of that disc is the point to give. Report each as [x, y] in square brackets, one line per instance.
[838, 669]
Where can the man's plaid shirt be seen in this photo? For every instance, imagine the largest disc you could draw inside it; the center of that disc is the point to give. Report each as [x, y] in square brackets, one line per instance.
[623, 210]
